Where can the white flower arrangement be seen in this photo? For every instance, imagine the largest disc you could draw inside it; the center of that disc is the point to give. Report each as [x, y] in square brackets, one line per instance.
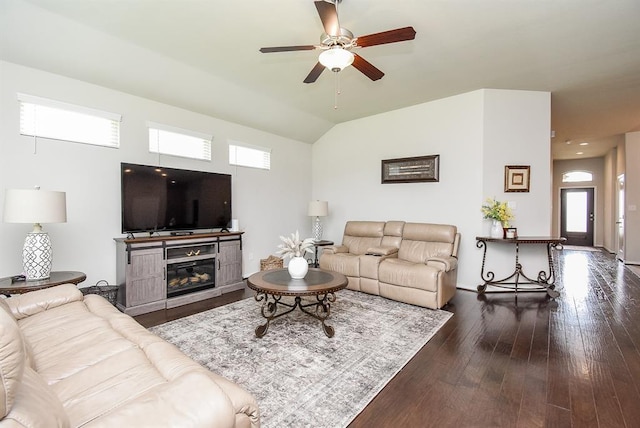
[294, 247]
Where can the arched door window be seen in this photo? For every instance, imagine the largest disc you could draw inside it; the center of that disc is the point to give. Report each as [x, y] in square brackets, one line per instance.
[577, 177]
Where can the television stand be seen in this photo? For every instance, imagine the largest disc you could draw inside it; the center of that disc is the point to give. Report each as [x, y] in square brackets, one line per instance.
[147, 268]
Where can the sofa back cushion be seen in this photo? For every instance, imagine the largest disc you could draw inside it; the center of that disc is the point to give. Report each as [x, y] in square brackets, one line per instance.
[361, 235]
[421, 241]
[393, 234]
[12, 360]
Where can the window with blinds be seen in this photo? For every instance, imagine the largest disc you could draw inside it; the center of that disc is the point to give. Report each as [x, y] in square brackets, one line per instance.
[57, 120]
[168, 140]
[249, 156]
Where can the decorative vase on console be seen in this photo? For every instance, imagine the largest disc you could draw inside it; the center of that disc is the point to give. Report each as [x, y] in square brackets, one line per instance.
[295, 248]
[496, 229]
[499, 213]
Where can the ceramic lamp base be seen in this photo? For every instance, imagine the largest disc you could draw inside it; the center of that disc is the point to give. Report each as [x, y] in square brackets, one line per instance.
[37, 256]
[316, 229]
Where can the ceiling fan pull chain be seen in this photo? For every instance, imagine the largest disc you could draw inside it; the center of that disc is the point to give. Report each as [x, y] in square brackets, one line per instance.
[337, 92]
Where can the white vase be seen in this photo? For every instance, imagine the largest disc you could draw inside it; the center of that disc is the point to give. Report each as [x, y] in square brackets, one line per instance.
[496, 229]
[298, 267]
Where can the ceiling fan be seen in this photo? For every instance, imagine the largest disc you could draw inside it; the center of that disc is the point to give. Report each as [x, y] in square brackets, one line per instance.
[337, 42]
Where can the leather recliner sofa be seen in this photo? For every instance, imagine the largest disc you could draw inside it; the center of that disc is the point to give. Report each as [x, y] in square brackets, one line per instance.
[68, 360]
[414, 263]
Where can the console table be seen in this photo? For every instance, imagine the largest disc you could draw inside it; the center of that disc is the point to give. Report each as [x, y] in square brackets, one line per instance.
[545, 279]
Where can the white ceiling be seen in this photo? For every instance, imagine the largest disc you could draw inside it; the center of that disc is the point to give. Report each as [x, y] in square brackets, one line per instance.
[203, 55]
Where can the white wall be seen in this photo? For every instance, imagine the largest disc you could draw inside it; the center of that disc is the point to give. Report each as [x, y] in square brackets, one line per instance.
[632, 199]
[476, 135]
[610, 228]
[267, 203]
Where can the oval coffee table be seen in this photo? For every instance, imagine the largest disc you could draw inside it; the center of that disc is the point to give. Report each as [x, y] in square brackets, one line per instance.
[271, 285]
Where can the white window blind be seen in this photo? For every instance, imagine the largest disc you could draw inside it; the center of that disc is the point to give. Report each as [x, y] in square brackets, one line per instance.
[46, 118]
[169, 140]
[250, 156]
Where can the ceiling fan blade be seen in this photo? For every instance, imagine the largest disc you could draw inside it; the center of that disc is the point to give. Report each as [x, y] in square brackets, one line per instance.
[391, 36]
[287, 48]
[366, 68]
[329, 17]
[315, 73]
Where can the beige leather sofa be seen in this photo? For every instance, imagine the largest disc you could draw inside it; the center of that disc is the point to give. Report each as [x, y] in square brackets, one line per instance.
[70, 361]
[410, 262]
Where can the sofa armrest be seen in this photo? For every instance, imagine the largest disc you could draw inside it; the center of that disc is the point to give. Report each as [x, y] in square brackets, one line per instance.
[25, 305]
[443, 263]
[382, 251]
[334, 249]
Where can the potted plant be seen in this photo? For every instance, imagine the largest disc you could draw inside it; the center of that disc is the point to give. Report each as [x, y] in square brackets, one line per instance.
[295, 248]
[499, 213]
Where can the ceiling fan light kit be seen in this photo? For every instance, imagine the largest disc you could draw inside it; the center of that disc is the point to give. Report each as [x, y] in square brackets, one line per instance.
[336, 58]
[337, 42]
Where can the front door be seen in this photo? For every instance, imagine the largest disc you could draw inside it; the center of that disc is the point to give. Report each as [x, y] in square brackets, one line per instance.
[576, 216]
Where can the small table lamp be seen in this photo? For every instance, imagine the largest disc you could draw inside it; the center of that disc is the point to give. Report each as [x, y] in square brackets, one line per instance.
[35, 206]
[317, 209]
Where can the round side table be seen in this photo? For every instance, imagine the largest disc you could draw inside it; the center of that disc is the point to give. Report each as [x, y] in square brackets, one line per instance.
[9, 285]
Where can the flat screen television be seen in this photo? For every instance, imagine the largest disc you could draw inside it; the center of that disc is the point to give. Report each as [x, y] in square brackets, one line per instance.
[156, 199]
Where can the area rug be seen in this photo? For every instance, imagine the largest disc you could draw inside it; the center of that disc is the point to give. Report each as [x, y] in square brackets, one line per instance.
[300, 377]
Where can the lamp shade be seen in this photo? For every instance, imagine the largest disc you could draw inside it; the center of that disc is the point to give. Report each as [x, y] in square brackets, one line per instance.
[318, 209]
[34, 206]
[336, 58]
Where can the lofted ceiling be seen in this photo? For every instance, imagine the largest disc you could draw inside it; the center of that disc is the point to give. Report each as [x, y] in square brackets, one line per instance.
[203, 55]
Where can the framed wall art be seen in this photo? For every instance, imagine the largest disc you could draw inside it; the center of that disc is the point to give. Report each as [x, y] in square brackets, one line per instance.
[411, 170]
[516, 178]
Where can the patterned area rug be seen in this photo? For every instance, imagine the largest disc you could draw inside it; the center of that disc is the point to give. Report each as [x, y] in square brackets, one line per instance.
[300, 377]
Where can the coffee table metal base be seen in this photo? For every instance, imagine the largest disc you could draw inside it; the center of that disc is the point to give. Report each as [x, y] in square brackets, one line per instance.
[271, 303]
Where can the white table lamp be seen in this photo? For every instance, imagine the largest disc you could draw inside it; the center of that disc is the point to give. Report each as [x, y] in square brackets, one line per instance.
[35, 206]
[317, 209]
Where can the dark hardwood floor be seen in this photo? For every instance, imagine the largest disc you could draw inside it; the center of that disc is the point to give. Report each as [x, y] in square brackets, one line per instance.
[518, 361]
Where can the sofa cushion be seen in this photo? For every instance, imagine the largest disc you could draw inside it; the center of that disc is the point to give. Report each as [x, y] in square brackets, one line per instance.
[361, 235]
[191, 401]
[421, 241]
[26, 345]
[25, 305]
[346, 263]
[393, 234]
[407, 274]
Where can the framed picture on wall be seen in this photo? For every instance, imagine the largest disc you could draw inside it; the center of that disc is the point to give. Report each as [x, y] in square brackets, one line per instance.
[411, 170]
[517, 178]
